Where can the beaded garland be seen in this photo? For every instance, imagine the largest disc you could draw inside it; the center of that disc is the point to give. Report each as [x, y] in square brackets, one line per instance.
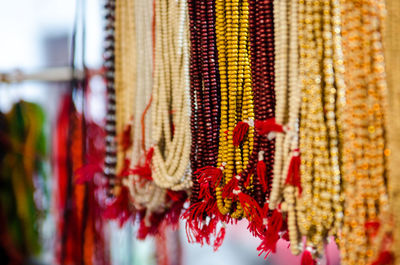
[286, 167]
[204, 89]
[236, 95]
[262, 70]
[146, 195]
[110, 128]
[364, 155]
[277, 131]
[125, 75]
[320, 172]
[170, 111]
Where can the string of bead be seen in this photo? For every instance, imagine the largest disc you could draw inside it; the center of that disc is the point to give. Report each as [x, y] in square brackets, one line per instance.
[364, 161]
[320, 172]
[204, 89]
[236, 96]
[170, 117]
[288, 106]
[125, 75]
[110, 157]
[262, 68]
[145, 194]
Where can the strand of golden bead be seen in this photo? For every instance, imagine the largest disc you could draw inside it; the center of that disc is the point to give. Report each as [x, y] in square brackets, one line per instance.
[125, 72]
[320, 172]
[236, 93]
[364, 161]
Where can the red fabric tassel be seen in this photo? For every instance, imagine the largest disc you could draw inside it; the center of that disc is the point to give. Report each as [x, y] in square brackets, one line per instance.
[125, 171]
[293, 176]
[142, 171]
[307, 258]
[126, 138]
[210, 174]
[239, 132]
[261, 174]
[219, 239]
[267, 126]
[384, 258]
[173, 214]
[271, 237]
[155, 220]
[251, 208]
[229, 187]
[197, 231]
[119, 209]
[145, 170]
[372, 228]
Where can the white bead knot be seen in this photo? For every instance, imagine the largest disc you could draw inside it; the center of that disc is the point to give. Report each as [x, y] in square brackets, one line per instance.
[271, 135]
[296, 153]
[236, 191]
[250, 122]
[222, 167]
[260, 155]
[286, 128]
[311, 249]
[265, 221]
[237, 177]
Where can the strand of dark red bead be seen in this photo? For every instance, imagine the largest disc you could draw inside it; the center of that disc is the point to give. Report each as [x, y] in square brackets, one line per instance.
[110, 128]
[262, 69]
[204, 88]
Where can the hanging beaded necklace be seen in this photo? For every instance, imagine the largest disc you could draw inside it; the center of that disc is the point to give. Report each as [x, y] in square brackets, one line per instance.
[145, 194]
[110, 158]
[287, 89]
[262, 70]
[170, 117]
[364, 161]
[236, 95]
[125, 78]
[204, 90]
[320, 172]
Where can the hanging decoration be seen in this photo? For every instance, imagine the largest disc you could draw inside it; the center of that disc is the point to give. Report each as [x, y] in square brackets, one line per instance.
[364, 156]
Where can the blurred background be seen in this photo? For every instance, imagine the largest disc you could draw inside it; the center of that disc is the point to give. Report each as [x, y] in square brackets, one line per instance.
[37, 37]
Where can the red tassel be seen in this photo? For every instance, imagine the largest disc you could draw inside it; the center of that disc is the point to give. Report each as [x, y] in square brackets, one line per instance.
[125, 138]
[293, 176]
[210, 174]
[219, 239]
[268, 245]
[251, 208]
[145, 170]
[154, 220]
[173, 214]
[87, 173]
[262, 171]
[197, 231]
[372, 228]
[125, 171]
[267, 126]
[119, 209]
[257, 225]
[239, 132]
[307, 258]
[230, 186]
[384, 258]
